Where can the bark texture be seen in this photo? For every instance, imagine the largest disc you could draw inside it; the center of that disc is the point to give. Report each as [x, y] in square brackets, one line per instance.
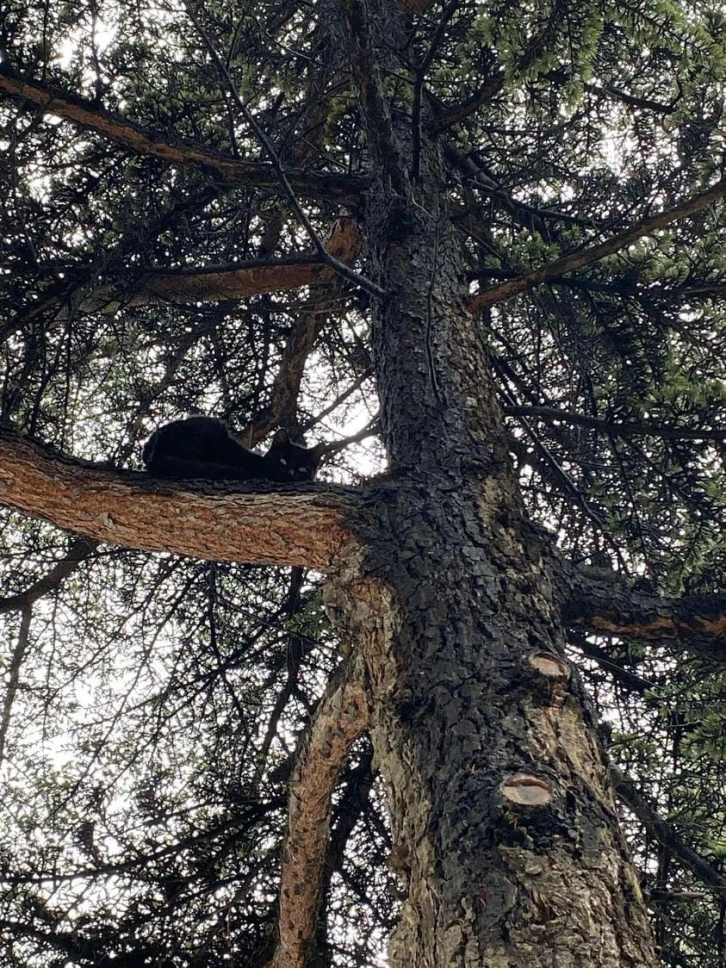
[506, 837]
[301, 524]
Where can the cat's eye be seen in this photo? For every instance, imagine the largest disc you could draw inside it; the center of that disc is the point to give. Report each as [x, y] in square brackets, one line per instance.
[283, 462]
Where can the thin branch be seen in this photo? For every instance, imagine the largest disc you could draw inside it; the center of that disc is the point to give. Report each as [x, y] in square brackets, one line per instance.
[651, 291]
[586, 257]
[183, 286]
[80, 549]
[379, 126]
[644, 103]
[447, 117]
[619, 673]
[562, 478]
[617, 429]
[371, 429]
[16, 662]
[666, 834]
[419, 81]
[341, 398]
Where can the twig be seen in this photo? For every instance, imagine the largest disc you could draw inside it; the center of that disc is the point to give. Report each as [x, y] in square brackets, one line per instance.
[618, 429]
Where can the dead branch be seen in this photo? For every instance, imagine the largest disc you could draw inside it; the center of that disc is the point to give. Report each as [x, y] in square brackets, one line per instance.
[79, 550]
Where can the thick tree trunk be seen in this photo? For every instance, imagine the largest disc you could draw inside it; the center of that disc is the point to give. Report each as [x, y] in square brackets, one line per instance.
[506, 836]
[505, 829]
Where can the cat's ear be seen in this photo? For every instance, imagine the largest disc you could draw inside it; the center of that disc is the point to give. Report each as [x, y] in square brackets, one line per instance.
[281, 438]
[319, 450]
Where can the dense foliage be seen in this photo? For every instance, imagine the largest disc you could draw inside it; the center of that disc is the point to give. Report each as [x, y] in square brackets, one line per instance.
[153, 705]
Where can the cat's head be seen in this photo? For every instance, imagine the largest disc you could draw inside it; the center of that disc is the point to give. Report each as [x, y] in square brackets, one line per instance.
[293, 462]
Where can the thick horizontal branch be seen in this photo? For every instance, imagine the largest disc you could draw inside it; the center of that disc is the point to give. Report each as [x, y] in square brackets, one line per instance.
[601, 601]
[300, 524]
[247, 279]
[211, 284]
[586, 257]
[342, 188]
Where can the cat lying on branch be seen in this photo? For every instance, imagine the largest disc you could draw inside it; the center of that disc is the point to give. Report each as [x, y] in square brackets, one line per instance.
[204, 447]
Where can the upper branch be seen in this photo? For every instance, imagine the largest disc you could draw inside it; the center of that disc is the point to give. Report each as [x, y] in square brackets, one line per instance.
[588, 256]
[301, 524]
[342, 188]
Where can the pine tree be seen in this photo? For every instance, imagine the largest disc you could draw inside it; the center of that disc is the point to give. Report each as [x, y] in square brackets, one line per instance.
[477, 251]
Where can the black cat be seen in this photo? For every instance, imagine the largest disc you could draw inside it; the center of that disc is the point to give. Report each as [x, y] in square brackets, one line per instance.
[204, 447]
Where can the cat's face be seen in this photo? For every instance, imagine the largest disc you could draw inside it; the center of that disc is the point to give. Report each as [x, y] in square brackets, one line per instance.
[295, 463]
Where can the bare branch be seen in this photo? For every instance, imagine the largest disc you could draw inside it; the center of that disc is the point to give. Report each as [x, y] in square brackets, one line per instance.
[182, 286]
[16, 662]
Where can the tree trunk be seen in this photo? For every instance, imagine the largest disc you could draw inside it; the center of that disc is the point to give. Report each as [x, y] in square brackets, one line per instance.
[504, 824]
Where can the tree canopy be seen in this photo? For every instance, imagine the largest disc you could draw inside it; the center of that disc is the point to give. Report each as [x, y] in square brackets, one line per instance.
[186, 189]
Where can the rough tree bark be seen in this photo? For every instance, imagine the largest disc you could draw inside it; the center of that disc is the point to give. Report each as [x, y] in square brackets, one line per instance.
[503, 814]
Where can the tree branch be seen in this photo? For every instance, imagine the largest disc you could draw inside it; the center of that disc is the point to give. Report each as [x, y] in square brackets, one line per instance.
[256, 522]
[182, 286]
[665, 834]
[601, 601]
[449, 116]
[247, 279]
[586, 257]
[342, 188]
[618, 429]
[80, 549]
[339, 720]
